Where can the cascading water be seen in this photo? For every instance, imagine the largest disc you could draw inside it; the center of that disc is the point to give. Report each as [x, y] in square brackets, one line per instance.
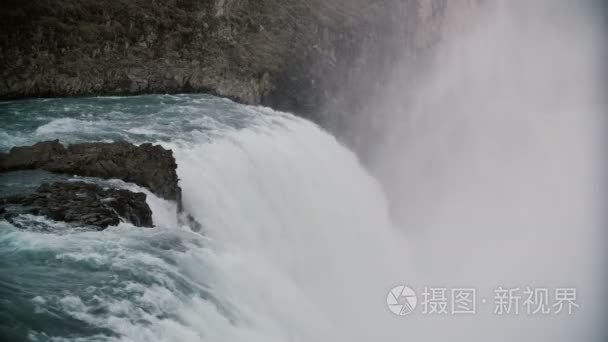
[295, 245]
[492, 171]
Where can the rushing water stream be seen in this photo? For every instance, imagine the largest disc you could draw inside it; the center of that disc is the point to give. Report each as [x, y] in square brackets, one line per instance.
[493, 167]
[292, 230]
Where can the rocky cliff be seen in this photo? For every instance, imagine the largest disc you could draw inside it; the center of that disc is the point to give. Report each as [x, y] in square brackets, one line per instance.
[296, 55]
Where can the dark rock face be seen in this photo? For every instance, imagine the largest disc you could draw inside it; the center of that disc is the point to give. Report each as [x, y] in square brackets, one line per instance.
[80, 203]
[290, 54]
[146, 165]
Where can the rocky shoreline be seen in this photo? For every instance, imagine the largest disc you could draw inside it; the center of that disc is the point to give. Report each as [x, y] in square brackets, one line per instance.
[147, 165]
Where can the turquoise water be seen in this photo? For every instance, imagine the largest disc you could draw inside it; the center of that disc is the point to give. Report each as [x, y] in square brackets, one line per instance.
[137, 118]
[271, 262]
[46, 275]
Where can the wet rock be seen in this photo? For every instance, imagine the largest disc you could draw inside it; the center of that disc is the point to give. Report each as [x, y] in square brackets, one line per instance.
[80, 203]
[31, 157]
[146, 165]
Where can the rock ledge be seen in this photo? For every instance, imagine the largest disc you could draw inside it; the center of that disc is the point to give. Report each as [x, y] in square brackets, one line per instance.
[147, 165]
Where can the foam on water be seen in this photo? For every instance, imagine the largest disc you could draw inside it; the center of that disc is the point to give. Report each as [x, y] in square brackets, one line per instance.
[302, 247]
[296, 244]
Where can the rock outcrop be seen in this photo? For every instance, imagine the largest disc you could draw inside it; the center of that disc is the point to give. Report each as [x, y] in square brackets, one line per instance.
[80, 203]
[146, 165]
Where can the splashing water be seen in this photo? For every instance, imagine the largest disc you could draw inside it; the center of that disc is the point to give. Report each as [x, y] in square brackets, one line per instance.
[296, 243]
[493, 173]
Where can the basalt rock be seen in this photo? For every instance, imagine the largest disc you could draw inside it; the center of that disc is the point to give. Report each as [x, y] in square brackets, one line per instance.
[80, 203]
[146, 165]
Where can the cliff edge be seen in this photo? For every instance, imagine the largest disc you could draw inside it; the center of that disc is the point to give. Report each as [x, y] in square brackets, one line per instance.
[288, 54]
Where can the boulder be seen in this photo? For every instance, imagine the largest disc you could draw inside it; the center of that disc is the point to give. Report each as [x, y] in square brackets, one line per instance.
[80, 203]
[147, 165]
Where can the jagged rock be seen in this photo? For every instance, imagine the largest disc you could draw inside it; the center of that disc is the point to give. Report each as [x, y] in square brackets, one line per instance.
[80, 203]
[146, 165]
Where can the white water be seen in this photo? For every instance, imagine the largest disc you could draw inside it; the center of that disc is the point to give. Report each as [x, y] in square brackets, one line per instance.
[495, 173]
[296, 245]
[301, 247]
